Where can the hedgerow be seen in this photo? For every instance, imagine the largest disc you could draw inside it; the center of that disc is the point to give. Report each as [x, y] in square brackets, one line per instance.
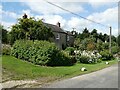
[40, 53]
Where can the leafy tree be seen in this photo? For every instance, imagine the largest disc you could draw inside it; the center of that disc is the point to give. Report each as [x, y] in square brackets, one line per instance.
[118, 40]
[106, 37]
[91, 46]
[85, 33]
[106, 45]
[77, 43]
[30, 29]
[113, 38]
[99, 45]
[95, 34]
[88, 44]
[100, 36]
[4, 34]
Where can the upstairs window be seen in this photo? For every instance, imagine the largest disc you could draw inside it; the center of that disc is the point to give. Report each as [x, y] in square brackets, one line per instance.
[68, 38]
[58, 36]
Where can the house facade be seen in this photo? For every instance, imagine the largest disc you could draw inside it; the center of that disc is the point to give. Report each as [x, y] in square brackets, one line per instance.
[61, 38]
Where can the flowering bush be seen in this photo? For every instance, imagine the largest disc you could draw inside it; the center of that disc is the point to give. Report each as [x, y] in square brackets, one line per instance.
[88, 57]
[6, 49]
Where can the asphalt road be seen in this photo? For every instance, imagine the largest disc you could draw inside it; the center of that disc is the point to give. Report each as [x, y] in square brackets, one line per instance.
[105, 78]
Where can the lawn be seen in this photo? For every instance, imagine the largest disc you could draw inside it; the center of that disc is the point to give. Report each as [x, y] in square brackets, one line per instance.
[16, 69]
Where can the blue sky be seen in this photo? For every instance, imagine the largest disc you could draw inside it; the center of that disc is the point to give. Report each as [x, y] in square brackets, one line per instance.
[102, 12]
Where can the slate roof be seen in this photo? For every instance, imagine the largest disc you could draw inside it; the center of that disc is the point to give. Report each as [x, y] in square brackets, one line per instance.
[69, 33]
[55, 28]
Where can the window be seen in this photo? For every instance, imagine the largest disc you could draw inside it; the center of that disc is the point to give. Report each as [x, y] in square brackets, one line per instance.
[68, 38]
[58, 36]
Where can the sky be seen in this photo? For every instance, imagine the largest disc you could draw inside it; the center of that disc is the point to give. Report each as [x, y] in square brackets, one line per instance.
[101, 11]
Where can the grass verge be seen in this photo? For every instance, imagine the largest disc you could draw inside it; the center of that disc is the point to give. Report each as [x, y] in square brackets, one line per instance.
[16, 69]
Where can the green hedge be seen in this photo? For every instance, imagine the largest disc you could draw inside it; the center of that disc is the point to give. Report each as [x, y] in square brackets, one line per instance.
[106, 55]
[70, 50]
[40, 53]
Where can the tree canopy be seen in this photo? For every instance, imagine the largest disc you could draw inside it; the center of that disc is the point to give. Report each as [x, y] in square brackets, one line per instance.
[4, 34]
[30, 29]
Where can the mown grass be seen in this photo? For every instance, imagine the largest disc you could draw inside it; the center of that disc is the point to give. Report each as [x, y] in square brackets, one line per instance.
[17, 69]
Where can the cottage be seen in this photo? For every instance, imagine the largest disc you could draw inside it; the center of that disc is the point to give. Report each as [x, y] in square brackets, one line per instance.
[61, 38]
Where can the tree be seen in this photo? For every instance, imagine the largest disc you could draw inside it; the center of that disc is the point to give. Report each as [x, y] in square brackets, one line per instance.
[118, 40]
[77, 43]
[91, 46]
[88, 44]
[106, 37]
[95, 34]
[100, 36]
[30, 29]
[113, 38]
[85, 33]
[4, 34]
[99, 45]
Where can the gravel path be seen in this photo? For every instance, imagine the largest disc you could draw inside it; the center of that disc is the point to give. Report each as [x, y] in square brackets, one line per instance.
[11, 84]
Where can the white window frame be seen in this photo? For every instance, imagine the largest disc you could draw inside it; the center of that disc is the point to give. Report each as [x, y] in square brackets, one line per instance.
[58, 36]
[68, 38]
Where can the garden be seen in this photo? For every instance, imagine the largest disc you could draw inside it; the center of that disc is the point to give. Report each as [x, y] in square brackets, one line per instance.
[28, 53]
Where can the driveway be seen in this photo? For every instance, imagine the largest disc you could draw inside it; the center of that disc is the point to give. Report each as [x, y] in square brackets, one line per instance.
[105, 78]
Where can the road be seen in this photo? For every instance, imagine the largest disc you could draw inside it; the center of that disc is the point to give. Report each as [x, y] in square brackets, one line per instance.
[105, 78]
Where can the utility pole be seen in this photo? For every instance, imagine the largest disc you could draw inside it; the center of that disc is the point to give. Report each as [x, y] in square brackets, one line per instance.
[73, 31]
[110, 40]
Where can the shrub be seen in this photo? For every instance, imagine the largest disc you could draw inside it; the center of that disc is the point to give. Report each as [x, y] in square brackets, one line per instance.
[106, 55]
[70, 50]
[6, 49]
[84, 59]
[40, 53]
[89, 57]
[115, 49]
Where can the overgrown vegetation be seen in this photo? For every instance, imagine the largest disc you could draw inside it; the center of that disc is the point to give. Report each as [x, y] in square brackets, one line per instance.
[40, 53]
[93, 40]
[106, 55]
[30, 32]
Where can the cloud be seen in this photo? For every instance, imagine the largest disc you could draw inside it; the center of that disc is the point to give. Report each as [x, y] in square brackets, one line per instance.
[0, 13]
[9, 14]
[53, 15]
[99, 3]
[7, 25]
[52, 19]
[108, 17]
[43, 7]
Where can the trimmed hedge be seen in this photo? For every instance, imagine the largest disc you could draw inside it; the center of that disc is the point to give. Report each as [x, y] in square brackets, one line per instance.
[40, 53]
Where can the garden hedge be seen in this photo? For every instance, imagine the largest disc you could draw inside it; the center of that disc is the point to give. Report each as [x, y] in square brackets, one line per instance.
[40, 53]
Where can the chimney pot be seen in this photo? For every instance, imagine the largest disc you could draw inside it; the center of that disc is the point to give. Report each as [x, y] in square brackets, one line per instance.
[58, 24]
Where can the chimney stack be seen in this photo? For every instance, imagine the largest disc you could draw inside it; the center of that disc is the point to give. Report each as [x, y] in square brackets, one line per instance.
[58, 24]
[24, 16]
